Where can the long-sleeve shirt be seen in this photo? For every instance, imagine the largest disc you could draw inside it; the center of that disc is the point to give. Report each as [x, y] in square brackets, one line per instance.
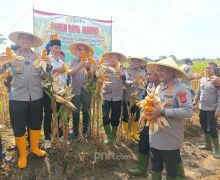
[130, 89]
[79, 78]
[58, 64]
[177, 102]
[113, 88]
[26, 83]
[208, 96]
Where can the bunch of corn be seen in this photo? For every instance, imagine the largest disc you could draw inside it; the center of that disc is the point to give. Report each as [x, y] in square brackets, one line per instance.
[65, 70]
[148, 105]
[100, 81]
[117, 66]
[83, 57]
[41, 62]
[54, 36]
[5, 75]
[140, 80]
[44, 54]
[91, 60]
[65, 102]
[9, 53]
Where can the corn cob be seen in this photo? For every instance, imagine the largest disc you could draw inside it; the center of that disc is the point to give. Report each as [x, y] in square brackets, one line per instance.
[148, 105]
[91, 60]
[83, 58]
[117, 65]
[54, 36]
[44, 54]
[9, 53]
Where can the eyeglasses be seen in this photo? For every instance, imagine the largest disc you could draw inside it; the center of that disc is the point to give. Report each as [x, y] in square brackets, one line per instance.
[81, 49]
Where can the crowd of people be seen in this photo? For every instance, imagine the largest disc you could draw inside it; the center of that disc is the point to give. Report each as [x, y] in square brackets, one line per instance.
[123, 86]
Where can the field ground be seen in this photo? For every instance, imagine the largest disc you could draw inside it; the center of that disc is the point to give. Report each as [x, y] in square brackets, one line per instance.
[80, 162]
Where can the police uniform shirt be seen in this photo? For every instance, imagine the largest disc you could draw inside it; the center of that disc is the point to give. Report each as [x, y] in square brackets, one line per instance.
[178, 106]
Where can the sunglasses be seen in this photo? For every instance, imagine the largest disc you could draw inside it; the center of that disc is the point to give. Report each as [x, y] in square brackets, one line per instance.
[81, 49]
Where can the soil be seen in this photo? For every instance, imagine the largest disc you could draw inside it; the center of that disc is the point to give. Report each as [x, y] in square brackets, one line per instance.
[92, 160]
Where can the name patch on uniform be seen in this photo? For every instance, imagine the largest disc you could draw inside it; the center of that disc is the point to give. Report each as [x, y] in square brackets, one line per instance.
[182, 96]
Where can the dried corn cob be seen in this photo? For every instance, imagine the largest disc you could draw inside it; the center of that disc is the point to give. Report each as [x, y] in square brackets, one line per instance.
[148, 105]
[117, 66]
[91, 60]
[9, 53]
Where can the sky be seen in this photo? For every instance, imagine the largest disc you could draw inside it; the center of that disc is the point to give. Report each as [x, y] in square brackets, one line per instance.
[147, 28]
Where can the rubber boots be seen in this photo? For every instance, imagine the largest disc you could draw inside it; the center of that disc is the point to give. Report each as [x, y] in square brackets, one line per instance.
[208, 143]
[171, 178]
[34, 141]
[143, 162]
[21, 144]
[114, 134]
[108, 132]
[126, 129]
[216, 153]
[134, 132]
[156, 175]
[180, 172]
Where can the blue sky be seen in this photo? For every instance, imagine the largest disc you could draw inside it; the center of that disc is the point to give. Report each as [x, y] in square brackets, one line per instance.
[185, 28]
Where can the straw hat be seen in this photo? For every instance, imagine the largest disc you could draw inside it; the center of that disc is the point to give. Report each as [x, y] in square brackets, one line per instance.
[168, 62]
[143, 62]
[73, 47]
[122, 58]
[14, 36]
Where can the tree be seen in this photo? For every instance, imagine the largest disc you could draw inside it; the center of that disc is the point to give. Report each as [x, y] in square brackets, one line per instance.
[2, 40]
[174, 57]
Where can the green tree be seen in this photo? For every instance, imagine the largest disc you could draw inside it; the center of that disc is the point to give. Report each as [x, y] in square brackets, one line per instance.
[2, 40]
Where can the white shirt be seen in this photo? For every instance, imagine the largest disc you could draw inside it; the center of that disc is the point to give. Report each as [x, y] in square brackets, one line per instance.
[57, 64]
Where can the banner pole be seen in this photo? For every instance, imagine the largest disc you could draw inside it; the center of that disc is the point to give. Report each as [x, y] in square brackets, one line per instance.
[33, 20]
[111, 33]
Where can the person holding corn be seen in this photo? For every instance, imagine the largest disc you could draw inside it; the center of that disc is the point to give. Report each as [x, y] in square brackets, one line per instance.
[57, 64]
[112, 93]
[208, 97]
[143, 144]
[80, 71]
[175, 104]
[27, 94]
[135, 84]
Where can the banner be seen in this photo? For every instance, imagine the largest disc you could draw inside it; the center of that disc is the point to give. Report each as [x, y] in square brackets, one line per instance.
[97, 33]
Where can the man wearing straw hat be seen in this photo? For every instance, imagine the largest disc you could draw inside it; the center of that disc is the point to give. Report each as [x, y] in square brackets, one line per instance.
[79, 71]
[112, 94]
[176, 105]
[27, 95]
[135, 84]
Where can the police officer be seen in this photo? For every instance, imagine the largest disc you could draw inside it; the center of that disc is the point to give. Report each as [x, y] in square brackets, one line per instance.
[27, 95]
[208, 97]
[135, 84]
[112, 94]
[177, 105]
